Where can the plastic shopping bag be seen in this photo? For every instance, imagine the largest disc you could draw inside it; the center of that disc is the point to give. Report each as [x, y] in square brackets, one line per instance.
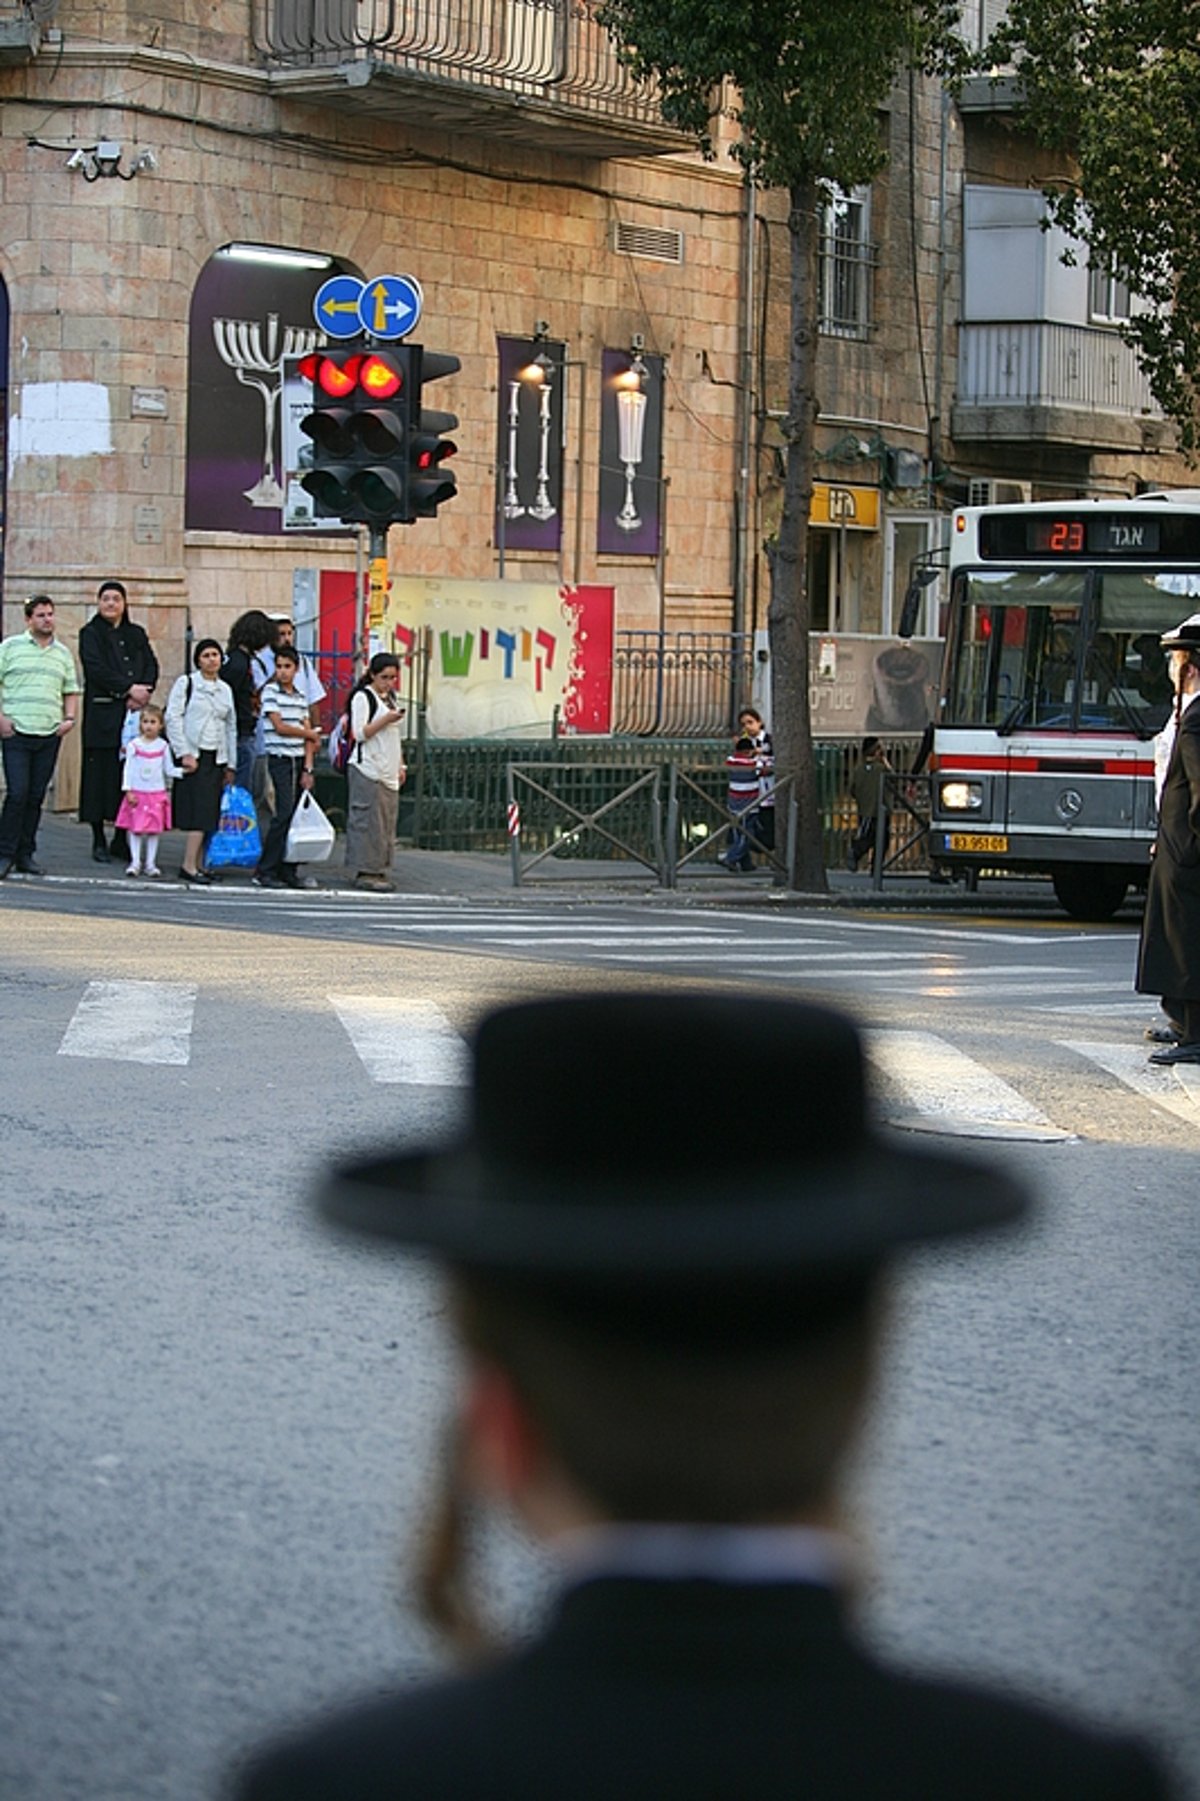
[310, 835]
[235, 844]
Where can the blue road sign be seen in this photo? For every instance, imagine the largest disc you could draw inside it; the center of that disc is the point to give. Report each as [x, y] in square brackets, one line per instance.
[389, 306]
[335, 306]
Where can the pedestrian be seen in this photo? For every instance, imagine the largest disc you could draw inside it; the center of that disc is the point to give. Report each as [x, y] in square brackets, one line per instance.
[374, 774]
[762, 825]
[250, 633]
[291, 740]
[39, 697]
[1169, 949]
[868, 786]
[670, 1339]
[120, 672]
[202, 730]
[145, 810]
[744, 784]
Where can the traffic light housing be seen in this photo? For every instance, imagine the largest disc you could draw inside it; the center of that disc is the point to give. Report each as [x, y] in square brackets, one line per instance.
[359, 426]
[429, 481]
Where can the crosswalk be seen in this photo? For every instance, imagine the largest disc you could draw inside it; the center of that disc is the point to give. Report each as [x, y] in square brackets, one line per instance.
[926, 1080]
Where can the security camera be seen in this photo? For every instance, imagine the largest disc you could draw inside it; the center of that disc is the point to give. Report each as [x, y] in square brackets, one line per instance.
[77, 160]
[145, 160]
[108, 156]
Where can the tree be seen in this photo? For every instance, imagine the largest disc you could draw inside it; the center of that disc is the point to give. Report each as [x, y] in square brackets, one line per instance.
[1115, 85]
[808, 81]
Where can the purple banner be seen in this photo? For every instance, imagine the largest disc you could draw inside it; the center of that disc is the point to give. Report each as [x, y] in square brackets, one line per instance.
[629, 521]
[529, 454]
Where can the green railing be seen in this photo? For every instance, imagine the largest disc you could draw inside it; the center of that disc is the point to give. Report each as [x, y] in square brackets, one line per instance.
[457, 795]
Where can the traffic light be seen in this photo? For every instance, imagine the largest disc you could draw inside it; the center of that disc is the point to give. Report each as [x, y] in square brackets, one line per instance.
[362, 405]
[429, 483]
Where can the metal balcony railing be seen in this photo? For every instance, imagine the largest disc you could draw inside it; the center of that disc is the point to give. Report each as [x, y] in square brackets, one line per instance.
[680, 684]
[1041, 364]
[534, 50]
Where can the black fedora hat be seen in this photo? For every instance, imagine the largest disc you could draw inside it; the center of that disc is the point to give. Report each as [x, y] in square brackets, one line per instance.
[1185, 636]
[654, 1137]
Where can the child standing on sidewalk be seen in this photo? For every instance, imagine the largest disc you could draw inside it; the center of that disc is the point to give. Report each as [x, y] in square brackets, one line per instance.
[145, 810]
[745, 785]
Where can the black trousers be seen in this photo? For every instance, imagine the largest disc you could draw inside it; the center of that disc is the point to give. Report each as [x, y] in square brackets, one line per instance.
[1185, 1015]
[285, 775]
[29, 761]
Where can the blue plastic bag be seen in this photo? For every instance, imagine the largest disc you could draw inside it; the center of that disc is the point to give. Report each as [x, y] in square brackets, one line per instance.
[235, 844]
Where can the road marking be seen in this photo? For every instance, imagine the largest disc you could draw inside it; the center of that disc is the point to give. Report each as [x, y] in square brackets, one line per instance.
[403, 1040]
[1173, 1086]
[949, 1092]
[132, 1022]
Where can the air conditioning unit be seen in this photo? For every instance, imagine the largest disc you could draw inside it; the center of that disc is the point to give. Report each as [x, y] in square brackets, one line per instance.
[987, 491]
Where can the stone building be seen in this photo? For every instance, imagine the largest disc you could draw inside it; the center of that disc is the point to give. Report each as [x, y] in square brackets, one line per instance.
[177, 182]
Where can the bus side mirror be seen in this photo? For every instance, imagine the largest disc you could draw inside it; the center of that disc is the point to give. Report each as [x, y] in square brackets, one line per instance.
[910, 612]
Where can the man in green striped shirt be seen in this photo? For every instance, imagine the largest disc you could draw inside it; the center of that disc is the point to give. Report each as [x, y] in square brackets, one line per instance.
[39, 696]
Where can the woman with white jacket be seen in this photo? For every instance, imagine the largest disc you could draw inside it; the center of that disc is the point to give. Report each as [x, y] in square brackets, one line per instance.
[202, 733]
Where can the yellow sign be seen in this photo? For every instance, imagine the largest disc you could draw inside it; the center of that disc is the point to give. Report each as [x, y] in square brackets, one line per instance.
[836, 504]
[377, 593]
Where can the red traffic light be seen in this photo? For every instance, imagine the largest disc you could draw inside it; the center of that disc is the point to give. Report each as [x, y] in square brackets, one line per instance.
[379, 377]
[337, 376]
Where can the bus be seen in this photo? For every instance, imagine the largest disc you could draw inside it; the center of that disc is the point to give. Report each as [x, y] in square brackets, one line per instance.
[1054, 687]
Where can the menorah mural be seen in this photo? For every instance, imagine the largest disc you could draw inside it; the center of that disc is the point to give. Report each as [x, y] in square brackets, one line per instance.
[254, 353]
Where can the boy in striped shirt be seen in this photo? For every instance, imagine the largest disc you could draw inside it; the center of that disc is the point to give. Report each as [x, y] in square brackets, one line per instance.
[290, 740]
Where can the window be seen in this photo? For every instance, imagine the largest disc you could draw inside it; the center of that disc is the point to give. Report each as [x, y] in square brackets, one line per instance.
[1108, 297]
[847, 261]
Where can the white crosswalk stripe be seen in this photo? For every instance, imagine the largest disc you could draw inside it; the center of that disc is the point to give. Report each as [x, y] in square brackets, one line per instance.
[928, 1082]
[1175, 1087]
[132, 1022]
[946, 1090]
[403, 1040]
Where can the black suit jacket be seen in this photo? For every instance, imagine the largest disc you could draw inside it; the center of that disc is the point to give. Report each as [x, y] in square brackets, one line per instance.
[701, 1691]
[1169, 953]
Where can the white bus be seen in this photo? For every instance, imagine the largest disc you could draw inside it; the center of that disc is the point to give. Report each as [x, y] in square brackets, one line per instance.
[1054, 686]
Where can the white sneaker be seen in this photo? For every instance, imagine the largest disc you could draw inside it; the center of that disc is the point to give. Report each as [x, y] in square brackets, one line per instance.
[152, 869]
[133, 870]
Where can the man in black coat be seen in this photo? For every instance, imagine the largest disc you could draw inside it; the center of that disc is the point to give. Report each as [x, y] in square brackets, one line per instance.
[670, 1336]
[1169, 952]
[120, 669]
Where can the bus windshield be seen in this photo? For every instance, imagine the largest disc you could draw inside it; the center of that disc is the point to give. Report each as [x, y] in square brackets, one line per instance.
[1065, 649]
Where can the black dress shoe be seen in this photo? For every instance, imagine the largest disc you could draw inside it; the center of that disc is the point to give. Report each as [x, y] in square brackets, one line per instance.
[1177, 1053]
[195, 878]
[27, 866]
[100, 853]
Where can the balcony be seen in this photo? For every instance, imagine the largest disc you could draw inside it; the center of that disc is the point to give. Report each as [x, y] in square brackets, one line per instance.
[540, 73]
[1035, 381]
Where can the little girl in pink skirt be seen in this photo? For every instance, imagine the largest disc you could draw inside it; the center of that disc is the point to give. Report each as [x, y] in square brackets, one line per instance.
[145, 811]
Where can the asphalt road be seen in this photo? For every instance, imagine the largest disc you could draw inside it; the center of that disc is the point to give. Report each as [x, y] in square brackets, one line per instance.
[220, 1423]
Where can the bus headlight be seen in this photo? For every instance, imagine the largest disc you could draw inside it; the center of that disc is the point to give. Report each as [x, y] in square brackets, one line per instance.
[960, 797]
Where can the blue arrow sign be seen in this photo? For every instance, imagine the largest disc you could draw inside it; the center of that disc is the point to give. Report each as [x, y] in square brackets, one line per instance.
[335, 306]
[389, 306]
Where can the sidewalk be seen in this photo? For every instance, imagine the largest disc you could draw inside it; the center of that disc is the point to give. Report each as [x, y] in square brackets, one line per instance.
[65, 849]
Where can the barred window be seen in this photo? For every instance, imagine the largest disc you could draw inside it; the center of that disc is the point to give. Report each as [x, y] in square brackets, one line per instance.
[847, 264]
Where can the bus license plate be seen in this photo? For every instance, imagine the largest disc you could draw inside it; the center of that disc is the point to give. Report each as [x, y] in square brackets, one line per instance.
[988, 841]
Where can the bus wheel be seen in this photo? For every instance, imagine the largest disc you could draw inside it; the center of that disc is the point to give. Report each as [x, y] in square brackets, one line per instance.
[1090, 890]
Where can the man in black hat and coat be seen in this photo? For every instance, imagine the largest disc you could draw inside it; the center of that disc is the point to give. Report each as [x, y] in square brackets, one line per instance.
[1169, 952]
[666, 1365]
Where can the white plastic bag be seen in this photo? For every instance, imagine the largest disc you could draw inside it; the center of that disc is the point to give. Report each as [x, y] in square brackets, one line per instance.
[310, 835]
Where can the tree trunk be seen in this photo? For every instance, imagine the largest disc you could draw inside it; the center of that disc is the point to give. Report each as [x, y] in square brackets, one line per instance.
[789, 614]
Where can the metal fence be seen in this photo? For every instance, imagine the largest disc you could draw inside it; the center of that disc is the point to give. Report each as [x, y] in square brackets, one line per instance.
[458, 796]
[680, 684]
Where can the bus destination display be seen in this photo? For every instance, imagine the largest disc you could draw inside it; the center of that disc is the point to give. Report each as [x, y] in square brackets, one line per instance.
[1129, 535]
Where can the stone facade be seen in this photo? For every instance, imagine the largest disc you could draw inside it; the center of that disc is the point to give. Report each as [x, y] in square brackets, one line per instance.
[501, 232]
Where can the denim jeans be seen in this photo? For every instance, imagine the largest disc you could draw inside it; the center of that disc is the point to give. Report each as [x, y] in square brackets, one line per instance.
[29, 761]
